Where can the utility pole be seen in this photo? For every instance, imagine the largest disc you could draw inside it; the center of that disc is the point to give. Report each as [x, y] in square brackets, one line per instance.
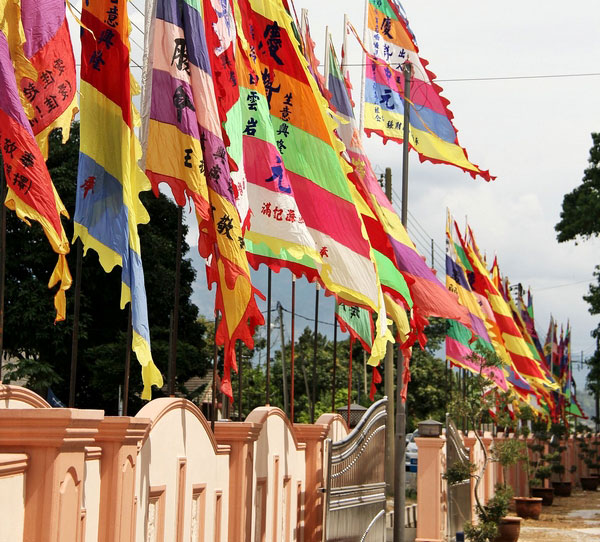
[388, 377]
[400, 452]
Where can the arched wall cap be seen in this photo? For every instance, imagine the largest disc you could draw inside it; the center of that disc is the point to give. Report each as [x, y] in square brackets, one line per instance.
[260, 415]
[329, 417]
[18, 393]
[158, 408]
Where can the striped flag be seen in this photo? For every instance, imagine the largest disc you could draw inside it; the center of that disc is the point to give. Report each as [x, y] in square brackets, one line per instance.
[31, 193]
[398, 261]
[108, 209]
[516, 346]
[308, 168]
[185, 117]
[52, 94]
[390, 44]
[460, 341]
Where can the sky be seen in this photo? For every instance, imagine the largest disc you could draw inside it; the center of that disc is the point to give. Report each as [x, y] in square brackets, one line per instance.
[533, 134]
[532, 131]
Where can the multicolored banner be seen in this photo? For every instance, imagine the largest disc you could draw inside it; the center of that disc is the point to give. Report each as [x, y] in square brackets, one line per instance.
[31, 193]
[390, 44]
[461, 343]
[53, 94]
[520, 354]
[357, 322]
[184, 117]
[108, 209]
[338, 255]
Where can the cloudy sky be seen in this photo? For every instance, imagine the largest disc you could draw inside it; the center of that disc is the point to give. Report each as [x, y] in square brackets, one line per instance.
[523, 80]
[530, 130]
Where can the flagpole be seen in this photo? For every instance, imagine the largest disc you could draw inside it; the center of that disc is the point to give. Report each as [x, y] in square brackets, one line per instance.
[283, 367]
[335, 328]
[3, 191]
[240, 364]
[75, 337]
[175, 321]
[364, 64]
[293, 346]
[400, 473]
[388, 375]
[128, 340]
[351, 342]
[268, 390]
[213, 414]
[314, 360]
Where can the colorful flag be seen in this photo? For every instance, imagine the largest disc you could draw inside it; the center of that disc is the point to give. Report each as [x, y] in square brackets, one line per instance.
[185, 117]
[390, 44]
[31, 193]
[108, 209]
[357, 322]
[394, 251]
[52, 94]
[461, 343]
[308, 159]
[520, 353]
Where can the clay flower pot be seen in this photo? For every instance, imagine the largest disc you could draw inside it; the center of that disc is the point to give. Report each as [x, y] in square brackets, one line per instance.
[528, 507]
[562, 489]
[508, 529]
[589, 483]
[546, 493]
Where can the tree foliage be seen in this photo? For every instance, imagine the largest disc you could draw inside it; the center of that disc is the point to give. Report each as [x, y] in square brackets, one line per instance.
[580, 215]
[41, 351]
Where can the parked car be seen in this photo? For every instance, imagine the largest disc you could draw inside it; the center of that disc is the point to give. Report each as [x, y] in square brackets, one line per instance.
[411, 452]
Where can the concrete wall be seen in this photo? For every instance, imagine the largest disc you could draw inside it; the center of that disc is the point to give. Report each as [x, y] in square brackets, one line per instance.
[161, 476]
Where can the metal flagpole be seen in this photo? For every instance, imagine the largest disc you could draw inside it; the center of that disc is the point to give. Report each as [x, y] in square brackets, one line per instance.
[268, 387]
[240, 364]
[335, 328]
[388, 377]
[127, 359]
[3, 192]
[293, 346]
[175, 320]
[75, 337]
[400, 473]
[351, 341]
[213, 414]
[283, 367]
[314, 361]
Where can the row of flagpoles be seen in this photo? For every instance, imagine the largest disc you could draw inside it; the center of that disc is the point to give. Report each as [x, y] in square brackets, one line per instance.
[239, 122]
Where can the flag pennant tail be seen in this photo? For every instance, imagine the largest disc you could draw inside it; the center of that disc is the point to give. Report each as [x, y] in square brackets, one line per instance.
[108, 209]
[390, 44]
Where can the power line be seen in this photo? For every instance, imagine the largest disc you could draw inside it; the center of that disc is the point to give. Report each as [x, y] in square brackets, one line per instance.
[563, 285]
[503, 77]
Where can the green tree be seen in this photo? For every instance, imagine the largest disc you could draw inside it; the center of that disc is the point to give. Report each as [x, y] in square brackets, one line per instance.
[580, 215]
[42, 351]
[580, 220]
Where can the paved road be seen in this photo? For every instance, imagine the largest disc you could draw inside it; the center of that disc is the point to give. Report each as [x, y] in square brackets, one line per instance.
[569, 519]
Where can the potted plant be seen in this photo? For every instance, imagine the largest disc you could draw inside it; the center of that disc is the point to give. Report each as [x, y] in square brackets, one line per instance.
[492, 521]
[538, 468]
[589, 455]
[561, 487]
[510, 452]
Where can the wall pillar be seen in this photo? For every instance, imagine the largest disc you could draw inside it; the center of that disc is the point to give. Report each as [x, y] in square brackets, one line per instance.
[240, 436]
[118, 438]
[431, 490]
[313, 435]
[55, 441]
[489, 475]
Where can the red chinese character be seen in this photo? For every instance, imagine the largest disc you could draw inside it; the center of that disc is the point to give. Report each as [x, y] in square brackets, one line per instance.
[88, 185]
[324, 252]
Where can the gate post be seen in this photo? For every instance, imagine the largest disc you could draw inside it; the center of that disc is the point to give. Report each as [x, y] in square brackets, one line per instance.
[313, 435]
[432, 505]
